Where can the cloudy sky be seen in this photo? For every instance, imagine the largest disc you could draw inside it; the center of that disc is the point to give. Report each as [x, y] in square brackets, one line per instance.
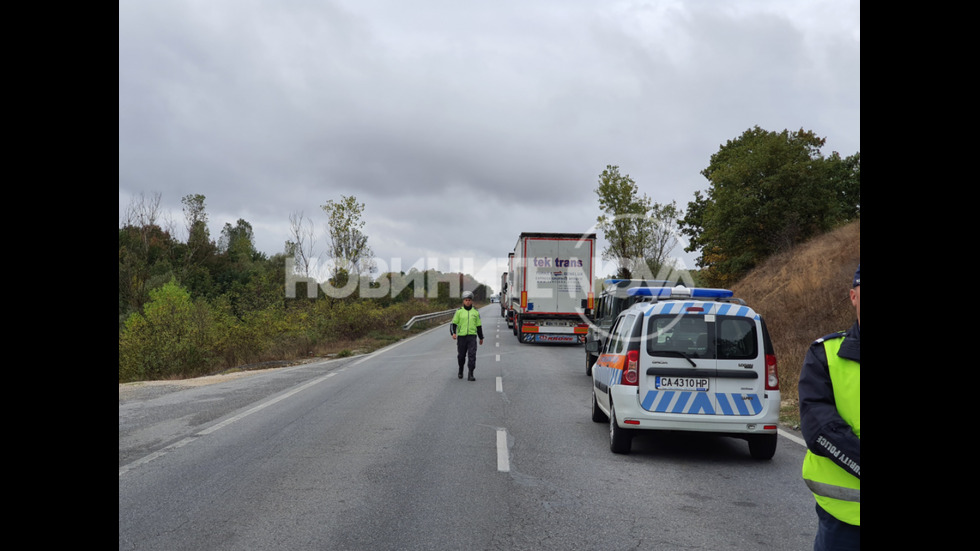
[460, 124]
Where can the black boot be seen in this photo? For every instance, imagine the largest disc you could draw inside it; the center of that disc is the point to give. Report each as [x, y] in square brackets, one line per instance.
[460, 372]
[470, 378]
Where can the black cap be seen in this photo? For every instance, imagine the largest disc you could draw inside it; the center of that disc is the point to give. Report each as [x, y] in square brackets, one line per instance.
[857, 277]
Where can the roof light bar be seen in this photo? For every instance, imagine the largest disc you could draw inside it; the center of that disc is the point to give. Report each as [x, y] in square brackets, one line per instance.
[643, 282]
[679, 291]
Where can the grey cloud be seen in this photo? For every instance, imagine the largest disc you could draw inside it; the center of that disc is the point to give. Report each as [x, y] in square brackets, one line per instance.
[270, 108]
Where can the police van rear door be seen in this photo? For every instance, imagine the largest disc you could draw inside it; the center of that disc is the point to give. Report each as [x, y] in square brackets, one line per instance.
[678, 374]
[740, 381]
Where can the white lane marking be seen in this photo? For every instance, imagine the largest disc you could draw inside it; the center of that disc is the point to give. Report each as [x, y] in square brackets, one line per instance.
[225, 423]
[500, 384]
[126, 468]
[503, 461]
[498, 357]
[160, 453]
[262, 406]
[792, 437]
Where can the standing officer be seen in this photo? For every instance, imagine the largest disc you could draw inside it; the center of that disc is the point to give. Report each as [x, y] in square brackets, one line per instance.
[830, 416]
[465, 329]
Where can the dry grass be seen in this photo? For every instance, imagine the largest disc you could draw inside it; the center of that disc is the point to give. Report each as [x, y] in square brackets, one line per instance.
[334, 349]
[803, 295]
[341, 347]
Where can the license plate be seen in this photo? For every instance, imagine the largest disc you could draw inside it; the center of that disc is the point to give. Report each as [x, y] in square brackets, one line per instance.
[682, 383]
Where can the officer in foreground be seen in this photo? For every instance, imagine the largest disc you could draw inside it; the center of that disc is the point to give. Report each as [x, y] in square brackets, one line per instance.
[830, 417]
[465, 329]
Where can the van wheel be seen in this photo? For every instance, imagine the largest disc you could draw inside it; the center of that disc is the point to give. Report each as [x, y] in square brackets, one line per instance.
[620, 440]
[597, 415]
[762, 446]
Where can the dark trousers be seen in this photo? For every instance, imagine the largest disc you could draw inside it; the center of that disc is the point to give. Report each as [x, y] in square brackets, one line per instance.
[466, 347]
[834, 535]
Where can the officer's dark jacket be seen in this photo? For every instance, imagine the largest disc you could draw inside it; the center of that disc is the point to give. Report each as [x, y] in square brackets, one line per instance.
[818, 410]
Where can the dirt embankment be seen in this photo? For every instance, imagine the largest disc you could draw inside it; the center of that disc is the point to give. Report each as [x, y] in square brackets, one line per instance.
[803, 294]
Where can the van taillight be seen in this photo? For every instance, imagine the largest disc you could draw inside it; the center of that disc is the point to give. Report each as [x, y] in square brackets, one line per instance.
[772, 377]
[631, 374]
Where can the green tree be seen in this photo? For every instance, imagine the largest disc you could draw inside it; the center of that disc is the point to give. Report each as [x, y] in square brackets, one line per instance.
[845, 180]
[641, 233]
[199, 243]
[237, 242]
[662, 238]
[768, 191]
[144, 254]
[171, 337]
[348, 246]
[193, 258]
[239, 271]
[144, 263]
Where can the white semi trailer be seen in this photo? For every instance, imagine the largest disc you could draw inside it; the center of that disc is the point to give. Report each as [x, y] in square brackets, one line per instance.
[551, 286]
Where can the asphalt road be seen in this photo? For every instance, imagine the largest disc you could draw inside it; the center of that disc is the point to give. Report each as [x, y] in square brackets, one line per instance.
[391, 451]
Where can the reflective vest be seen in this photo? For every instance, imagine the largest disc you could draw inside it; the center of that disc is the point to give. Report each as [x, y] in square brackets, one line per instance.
[836, 490]
[466, 321]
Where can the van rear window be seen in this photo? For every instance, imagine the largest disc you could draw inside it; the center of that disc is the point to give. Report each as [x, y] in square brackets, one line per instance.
[727, 338]
[737, 339]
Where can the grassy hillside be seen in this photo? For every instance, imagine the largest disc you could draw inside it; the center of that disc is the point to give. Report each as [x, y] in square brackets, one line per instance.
[803, 295]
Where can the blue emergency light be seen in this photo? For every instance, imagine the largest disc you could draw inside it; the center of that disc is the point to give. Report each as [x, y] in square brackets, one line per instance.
[678, 292]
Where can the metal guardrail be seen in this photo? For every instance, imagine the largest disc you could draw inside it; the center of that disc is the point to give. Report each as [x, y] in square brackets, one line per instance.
[424, 317]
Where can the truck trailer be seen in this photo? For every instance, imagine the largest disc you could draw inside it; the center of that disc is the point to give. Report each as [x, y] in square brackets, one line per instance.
[508, 307]
[550, 290]
[503, 295]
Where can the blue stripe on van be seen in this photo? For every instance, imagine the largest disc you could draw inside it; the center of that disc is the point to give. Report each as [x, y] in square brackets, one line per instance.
[608, 375]
[734, 404]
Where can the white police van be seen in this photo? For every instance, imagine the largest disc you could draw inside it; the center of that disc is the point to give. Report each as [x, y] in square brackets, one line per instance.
[688, 359]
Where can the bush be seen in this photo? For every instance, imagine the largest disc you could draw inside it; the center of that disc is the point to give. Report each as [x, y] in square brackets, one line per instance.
[175, 337]
[172, 337]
